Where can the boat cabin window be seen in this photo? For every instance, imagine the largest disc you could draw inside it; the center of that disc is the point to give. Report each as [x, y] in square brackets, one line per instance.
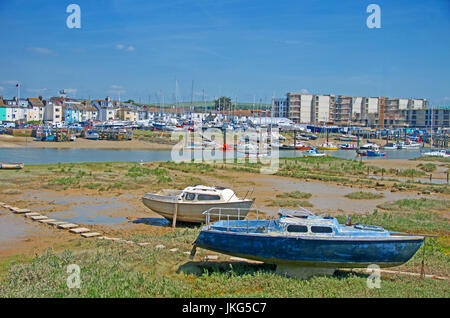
[297, 228]
[321, 229]
[189, 196]
[207, 197]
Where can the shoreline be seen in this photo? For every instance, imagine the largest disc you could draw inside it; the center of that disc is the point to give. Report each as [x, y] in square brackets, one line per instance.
[7, 141]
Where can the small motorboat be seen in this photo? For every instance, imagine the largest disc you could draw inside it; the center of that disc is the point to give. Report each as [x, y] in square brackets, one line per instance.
[303, 240]
[348, 138]
[409, 145]
[191, 202]
[371, 153]
[370, 145]
[438, 153]
[301, 146]
[390, 146]
[9, 165]
[313, 153]
[286, 147]
[92, 135]
[327, 146]
[347, 147]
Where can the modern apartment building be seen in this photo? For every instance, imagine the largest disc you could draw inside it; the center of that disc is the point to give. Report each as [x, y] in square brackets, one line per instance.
[345, 109]
[433, 118]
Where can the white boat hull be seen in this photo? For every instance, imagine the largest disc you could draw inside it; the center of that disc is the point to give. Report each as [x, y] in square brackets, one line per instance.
[191, 212]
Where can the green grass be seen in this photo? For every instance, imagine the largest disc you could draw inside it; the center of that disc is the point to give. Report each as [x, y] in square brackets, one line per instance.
[290, 203]
[416, 205]
[361, 195]
[427, 167]
[111, 269]
[432, 158]
[295, 195]
[411, 173]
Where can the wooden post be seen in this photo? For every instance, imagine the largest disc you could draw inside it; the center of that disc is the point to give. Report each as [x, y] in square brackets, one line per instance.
[431, 176]
[175, 213]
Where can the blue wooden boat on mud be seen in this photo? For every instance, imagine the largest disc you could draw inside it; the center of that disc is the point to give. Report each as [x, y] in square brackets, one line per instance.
[306, 240]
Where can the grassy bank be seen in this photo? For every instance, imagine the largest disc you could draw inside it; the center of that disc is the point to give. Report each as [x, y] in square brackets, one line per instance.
[99, 176]
[111, 269]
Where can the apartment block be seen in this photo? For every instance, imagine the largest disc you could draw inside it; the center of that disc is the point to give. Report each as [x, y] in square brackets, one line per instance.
[300, 107]
[435, 118]
[345, 109]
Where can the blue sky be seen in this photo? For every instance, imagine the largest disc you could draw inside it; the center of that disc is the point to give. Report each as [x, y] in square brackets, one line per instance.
[242, 48]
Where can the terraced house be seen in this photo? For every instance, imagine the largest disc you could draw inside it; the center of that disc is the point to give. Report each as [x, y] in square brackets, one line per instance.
[35, 109]
[3, 108]
[106, 108]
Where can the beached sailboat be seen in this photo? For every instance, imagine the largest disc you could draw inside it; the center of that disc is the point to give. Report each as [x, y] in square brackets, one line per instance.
[347, 147]
[327, 146]
[191, 202]
[303, 240]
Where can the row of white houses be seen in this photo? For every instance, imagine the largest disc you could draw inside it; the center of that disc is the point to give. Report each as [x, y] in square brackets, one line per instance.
[66, 110]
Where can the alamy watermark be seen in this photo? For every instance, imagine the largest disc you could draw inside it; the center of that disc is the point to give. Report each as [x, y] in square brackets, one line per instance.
[374, 19]
[374, 279]
[73, 21]
[74, 279]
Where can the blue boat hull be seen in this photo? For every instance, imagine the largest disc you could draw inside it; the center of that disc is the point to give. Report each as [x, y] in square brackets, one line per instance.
[308, 252]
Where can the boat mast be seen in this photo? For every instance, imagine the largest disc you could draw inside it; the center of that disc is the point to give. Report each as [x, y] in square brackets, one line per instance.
[431, 129]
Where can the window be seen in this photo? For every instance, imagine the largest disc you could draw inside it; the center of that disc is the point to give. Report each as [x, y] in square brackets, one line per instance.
[297, 228]
[207, 197]
[321, 229]
[189, 196]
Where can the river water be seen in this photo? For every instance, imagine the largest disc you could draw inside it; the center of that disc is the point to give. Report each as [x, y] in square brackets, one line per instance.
[52, 155]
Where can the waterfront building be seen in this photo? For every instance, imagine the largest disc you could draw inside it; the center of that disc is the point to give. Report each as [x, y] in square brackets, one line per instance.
[35, 109]
[431, 118]
[346, 109]
[3, 109]
[299, 107]
[127, 114]
[280, 107]
[107, 109]
[53, 111]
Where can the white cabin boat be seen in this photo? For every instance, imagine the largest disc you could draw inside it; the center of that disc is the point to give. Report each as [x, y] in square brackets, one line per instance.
[190, 203]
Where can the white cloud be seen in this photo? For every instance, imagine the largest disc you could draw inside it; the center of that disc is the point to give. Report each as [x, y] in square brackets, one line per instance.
[116, 90]
[70, 90]
[130, 48]
[42, 50]
[304, 91]
[10, 82]
[37, 90]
